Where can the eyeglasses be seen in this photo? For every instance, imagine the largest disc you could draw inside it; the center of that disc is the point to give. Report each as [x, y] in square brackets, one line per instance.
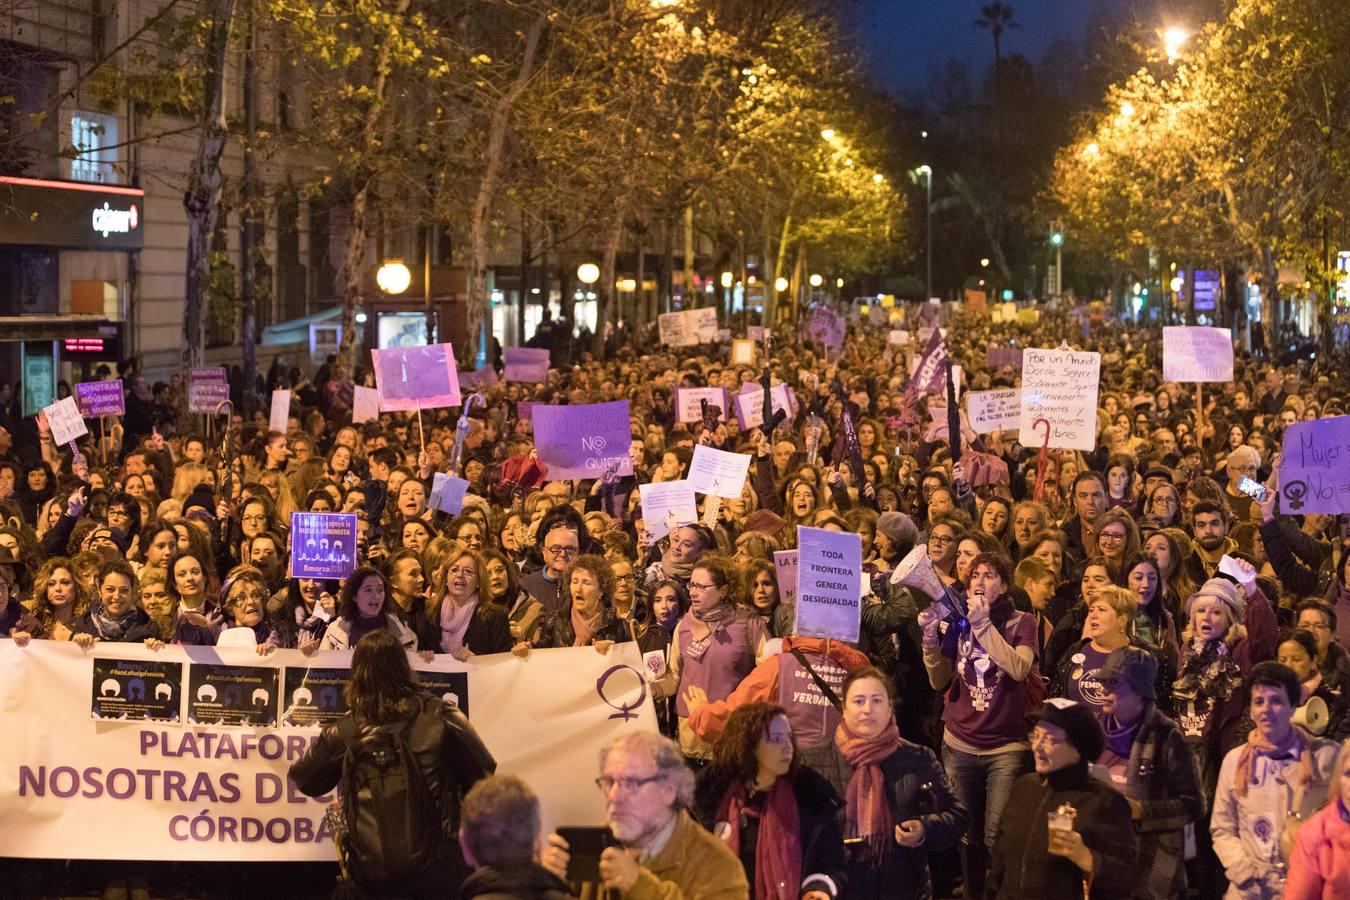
[253, 519]
[1316, 626]
[1110, 537]
[695, 586]
[561, 551]
[462, 573]
[628, 784]
[1044, 739]
[942, 539]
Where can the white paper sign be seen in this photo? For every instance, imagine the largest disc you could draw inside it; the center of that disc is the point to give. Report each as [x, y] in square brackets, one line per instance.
[750, 405]
[689, 409]
[994, 410]
[689, 327]
[365, 404]
[663, 500]
[718, 472]
[1059, 386]
[898, 337]
[1228, 566]
[755, 332]
[743, 353]
[785, 568]
[280, 412]
[1195, 354]
[65, 420]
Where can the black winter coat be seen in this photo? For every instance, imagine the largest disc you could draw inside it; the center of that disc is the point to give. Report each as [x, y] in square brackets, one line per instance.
[918, 790]
[818, 807]
[527, 881]
[557, 630]
[1022, 867]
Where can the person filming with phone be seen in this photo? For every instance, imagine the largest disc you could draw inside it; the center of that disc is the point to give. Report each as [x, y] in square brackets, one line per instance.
[652, 848]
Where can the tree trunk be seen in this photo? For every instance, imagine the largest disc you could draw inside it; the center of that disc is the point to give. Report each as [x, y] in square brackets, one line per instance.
[526, 257]
[606, 308]
[779, 262]
[249, 250]
[202, 197]
[1270, 270]
[639, 318]
[494, 158]
[354, 257]
[690, 295]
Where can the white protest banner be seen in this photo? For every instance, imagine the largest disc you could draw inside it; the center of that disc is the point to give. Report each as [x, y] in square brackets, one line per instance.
[785, 569]
[829, 590]
[689, 409]
[898, 337]
[755, 332]
[1195, 354]
[1059, 386]
[1315, 467]
[219, 793]
[365, 404]
[662, 499]
[994, 410]
[742, 352]
[750, 405]
[65, 420]
[718, 472]
[280, 412]
[689, 327]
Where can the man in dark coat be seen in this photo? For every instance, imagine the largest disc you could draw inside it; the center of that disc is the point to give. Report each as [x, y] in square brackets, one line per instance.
[499, 834]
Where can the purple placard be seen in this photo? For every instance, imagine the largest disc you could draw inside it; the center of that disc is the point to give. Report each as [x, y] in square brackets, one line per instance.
[526, 364]
[828, 327]
[207, 389]
[410, 378]
[478, 379]
[829, 587]
[100, 398]
[323, 545]
[581, 441]
[447, 493]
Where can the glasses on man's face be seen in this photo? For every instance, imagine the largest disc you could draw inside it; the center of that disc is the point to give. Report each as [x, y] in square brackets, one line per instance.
[1164, 501]
[941, 539]
[629, 785]
[560, 550]
[1315, 626]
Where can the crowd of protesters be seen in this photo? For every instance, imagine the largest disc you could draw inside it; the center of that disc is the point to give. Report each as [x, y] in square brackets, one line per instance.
[1105, 706]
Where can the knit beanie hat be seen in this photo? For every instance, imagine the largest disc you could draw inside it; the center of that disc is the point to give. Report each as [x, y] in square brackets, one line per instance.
[1225, 590]
[1079, 724]
[898, 528]
[1133, 665]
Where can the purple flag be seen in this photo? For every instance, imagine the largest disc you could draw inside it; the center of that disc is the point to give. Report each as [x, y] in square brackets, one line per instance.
[829, 587]
[582, 441]
[100, 398]
[411, 378]
[930, 377]
[526, 364]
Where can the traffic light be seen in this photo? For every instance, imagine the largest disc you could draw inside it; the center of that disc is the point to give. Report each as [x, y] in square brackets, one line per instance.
[1057, 235]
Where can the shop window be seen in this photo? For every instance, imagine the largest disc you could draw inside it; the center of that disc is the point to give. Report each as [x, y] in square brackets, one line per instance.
[94, 138]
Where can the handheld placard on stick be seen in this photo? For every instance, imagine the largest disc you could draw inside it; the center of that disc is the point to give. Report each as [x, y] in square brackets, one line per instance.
[461, 431]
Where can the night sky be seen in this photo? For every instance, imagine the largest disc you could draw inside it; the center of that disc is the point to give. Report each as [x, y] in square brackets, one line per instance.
[904, 40]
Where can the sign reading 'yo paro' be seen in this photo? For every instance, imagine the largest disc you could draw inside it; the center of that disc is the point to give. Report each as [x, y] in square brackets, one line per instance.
[583, 441]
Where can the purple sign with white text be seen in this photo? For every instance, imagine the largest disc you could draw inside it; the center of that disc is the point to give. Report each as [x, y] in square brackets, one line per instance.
[582, 441]
[100, 398]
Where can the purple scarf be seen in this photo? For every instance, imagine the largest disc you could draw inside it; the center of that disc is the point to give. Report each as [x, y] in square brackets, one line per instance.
[1120, 738]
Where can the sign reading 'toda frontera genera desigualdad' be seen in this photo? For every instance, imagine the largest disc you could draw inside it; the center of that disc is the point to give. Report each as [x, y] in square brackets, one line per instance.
[829, 583]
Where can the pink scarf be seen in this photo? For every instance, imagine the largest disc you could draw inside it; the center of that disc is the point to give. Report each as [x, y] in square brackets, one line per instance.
[778, 853]
[455, 622]
[584, 628]
[869, 815]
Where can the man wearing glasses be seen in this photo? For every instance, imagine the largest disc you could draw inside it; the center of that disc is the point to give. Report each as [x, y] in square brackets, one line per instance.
[664, 852]
[1243, 462]
[560, 545]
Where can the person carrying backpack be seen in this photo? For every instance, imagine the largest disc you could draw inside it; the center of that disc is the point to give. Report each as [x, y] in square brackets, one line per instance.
[402, 761]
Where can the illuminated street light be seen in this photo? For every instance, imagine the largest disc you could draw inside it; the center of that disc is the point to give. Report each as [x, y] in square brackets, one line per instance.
[984, 263]
[1173, 38]
[1092, 149]
[588, 273]
[878, 178]
[839, 282]
[780, 284]
[817, 280]
[727, 279]
[393, 277]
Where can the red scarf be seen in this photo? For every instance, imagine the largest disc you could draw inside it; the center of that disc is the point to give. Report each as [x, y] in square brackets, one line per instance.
[1296, 743]
[778, 854]
[869, 815]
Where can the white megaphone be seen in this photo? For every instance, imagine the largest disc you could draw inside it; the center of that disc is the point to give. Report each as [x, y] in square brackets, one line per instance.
[916, 571]
[1313, 716]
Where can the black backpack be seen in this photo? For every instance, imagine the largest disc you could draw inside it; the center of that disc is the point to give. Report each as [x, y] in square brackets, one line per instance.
[395, 827]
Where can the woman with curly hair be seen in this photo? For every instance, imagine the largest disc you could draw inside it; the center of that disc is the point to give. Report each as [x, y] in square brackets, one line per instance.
[777, 816]
[586, 617]
[715, 645]
[59, 602]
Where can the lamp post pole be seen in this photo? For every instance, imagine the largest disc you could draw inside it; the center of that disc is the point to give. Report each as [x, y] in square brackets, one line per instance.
[929, 217]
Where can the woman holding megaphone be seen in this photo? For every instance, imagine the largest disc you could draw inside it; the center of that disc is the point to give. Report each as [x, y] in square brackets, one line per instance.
[1298, 651]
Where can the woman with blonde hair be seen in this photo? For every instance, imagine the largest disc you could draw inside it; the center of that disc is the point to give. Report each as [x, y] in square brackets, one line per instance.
[186, 477]
[470, 623]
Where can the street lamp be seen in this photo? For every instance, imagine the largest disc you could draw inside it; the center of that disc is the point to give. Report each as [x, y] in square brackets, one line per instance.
[780, 284]
[984, 263]
[1173, 38]
[588, 273]
[817, 280]
[727, 279]
[393, 277]
[927, 172]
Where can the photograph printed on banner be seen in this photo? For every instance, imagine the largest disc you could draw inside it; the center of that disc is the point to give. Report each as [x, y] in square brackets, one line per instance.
[232, 695]
[137, 690]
